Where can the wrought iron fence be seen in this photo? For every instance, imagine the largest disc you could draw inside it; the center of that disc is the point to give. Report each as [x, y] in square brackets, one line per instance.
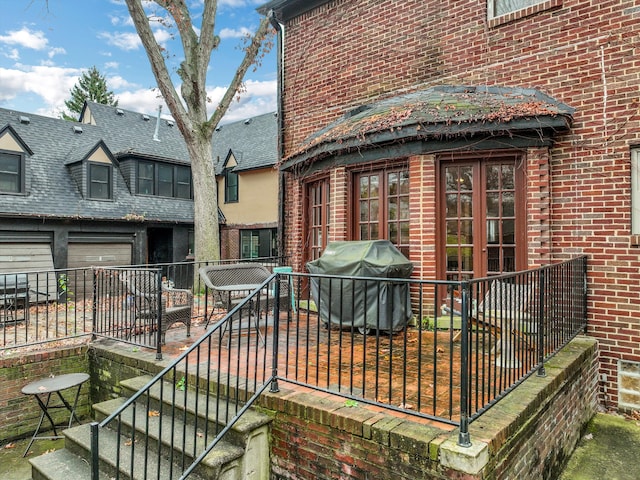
[447, 351]
[43, 307]
[443, 350]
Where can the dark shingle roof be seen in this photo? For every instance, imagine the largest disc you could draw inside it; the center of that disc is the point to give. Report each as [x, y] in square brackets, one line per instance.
[125, 131]
[442, 111]
[252, 141]
[56, 145]
[50, 188]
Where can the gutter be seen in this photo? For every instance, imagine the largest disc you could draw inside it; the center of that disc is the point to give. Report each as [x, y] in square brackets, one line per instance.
[280, 81]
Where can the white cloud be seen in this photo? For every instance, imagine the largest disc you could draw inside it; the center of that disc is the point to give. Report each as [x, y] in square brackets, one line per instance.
[122, 40]
[56, 51]
[241, 32]
[12, 54]
[111, 65]
[51, 84]
[116, 82]
[25, 38]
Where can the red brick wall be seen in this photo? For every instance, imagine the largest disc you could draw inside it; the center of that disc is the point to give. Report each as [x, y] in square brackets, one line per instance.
[583, 53]
[19, 414]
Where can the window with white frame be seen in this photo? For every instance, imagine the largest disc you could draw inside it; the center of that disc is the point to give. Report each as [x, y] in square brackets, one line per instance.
[498, 8]
[635, 191]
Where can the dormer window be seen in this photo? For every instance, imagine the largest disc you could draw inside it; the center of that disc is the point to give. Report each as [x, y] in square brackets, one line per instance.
[11, 172]
[100, 176]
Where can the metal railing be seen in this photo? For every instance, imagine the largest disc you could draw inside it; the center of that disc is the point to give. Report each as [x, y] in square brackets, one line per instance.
[61, 305]
[443, 350]
[472, 343]
[192, 404]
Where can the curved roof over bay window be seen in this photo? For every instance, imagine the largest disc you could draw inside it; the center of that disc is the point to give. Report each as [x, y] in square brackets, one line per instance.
[435, 119]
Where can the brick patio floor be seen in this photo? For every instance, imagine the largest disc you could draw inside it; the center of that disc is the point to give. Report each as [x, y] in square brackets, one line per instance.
[411, 370]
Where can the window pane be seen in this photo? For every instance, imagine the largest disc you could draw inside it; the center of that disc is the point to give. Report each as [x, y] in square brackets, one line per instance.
[183, 182]
[508, 204]
[374, 211]
[404, 208]
[508, 231]
[364, 187]
[99, 181]
[502, 7]
[393, 209]
[165, 180]
[493, 177]
[404, 183]
[508, 182]
[452, 205]
[364, 211]
[374, 186]
[393, 233]
[145, 178]
[10, 173]
[231, 186]
[493, 204]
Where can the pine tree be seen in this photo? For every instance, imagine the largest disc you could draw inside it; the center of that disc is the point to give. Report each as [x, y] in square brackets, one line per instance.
[91, 86]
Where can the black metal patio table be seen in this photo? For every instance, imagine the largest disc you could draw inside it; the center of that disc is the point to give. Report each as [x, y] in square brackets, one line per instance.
[48, 386]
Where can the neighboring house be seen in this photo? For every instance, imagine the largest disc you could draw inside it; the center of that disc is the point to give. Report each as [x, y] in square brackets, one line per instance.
[112, 189]
[480, 137]
[97, 192]
[244, 155]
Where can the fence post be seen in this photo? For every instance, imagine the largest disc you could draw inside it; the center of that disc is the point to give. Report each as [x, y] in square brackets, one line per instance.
[463, 436]
[274, 388]
[542, 311]
[94, 307]
[159, 316]
[95, 456]
[584, 292]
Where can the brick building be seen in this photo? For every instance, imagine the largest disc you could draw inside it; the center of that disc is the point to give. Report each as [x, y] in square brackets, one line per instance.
[479, 136]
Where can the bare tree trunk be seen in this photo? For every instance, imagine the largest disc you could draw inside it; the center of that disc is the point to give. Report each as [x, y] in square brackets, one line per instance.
[205, 200]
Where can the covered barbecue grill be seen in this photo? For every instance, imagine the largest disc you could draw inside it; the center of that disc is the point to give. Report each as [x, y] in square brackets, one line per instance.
[355, 302]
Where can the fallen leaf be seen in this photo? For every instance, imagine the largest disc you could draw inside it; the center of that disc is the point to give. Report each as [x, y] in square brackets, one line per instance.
[10, 445]
[588, 436]
[439, 350]
[154, 413]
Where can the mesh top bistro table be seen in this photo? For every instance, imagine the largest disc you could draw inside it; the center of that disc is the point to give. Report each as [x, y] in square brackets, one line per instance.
[47, 386]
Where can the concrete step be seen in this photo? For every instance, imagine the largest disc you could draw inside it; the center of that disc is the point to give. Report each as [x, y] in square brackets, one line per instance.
[171, 436]
[200, 409]
[173, 442]
[61, 465]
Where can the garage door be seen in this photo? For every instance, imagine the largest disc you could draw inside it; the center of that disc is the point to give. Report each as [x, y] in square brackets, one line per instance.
[31, 257]
[82, 255]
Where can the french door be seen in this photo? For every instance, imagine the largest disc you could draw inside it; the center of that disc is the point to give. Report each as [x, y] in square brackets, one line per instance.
[382, 207]
[482, 217]
[317, 199]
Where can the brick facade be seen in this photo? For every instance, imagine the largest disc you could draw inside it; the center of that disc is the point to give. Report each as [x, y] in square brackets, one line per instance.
[583, 53]
[19, 414]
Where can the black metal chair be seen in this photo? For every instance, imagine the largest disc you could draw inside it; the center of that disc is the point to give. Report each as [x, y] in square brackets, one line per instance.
[176, 304]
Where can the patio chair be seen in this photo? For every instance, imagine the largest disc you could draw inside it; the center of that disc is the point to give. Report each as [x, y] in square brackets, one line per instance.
[176, 303]
[505, 312]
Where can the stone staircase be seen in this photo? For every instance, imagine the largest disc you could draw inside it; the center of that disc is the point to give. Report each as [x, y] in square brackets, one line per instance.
[242, 454]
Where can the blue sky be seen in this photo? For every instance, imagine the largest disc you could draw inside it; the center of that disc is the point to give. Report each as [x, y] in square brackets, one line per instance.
[46, 46]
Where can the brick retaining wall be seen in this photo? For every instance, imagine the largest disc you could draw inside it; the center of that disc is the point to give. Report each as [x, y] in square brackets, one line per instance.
[19, 414]
[529, 435]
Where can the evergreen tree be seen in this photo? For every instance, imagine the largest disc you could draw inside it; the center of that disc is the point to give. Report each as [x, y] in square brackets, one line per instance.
[91, 86]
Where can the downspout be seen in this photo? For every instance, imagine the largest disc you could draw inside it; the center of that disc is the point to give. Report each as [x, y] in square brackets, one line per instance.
[280, 79]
